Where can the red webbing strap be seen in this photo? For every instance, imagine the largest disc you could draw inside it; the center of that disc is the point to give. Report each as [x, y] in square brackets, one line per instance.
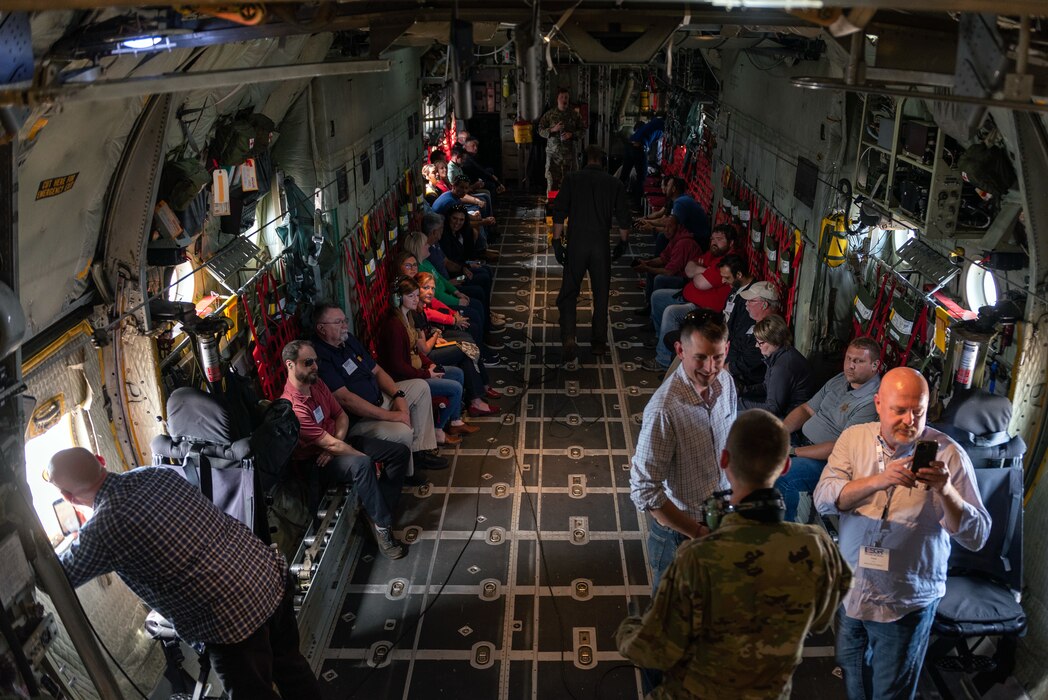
[920, 328]
[882, 308]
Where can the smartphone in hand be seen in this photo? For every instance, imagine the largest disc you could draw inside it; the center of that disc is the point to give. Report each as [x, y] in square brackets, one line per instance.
[924, 455]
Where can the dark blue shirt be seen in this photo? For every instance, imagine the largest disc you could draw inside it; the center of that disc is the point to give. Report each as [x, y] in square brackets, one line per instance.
[437, 258]
[693, 217]
[204, 571]
[444, 203]
[649, 133]
[349, 366]
[787, 383]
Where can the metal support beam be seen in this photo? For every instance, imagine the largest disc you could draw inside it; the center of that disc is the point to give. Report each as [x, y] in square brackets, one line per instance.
[184, 82]
[814, 83]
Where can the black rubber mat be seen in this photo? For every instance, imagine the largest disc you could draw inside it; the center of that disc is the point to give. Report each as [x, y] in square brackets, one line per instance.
[496, 562]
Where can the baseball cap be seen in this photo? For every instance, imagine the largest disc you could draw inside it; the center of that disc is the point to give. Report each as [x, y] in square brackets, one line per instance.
[760, 290]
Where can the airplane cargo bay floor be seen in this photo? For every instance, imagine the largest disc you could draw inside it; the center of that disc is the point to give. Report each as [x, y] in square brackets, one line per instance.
[528, 547]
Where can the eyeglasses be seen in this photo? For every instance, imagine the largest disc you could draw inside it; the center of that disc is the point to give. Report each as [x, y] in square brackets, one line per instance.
[340, 322]
[309, 361]
[413, 265]
[760, 343]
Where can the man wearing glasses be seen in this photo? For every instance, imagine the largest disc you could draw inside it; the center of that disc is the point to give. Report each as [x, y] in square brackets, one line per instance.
[377, 406]
[685, 429]
[375, 467]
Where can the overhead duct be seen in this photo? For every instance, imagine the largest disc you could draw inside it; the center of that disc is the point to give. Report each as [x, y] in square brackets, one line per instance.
[462, 60]
[529, 59]
[617, 37]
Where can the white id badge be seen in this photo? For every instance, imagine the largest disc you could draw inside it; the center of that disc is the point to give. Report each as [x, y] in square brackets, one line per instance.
[349, 366]
[318, 414]
[875, 558]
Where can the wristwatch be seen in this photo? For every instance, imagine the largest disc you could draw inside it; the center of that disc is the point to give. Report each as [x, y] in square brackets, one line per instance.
[793, 451]
[400, 394]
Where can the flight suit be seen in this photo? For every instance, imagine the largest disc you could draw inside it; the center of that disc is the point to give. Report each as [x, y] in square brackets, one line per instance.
[589, 198]
[732, 610]
[561, 156]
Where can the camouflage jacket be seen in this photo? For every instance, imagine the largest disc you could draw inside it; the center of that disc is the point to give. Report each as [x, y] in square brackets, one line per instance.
[732, 610]
[572, 124]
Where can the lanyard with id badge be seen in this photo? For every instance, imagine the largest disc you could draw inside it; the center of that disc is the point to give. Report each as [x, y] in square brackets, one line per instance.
[872, 555]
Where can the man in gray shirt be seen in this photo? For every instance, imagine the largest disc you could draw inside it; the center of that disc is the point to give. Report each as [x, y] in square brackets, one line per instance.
[844, 401]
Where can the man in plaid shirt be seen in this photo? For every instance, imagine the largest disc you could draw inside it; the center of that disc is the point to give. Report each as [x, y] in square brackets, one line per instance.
[204, 571]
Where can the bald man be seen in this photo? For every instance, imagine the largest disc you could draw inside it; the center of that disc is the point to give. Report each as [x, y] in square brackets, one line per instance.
[895, 532]
[204, 571]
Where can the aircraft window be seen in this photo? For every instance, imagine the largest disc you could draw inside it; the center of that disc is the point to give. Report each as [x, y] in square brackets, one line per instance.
[38, 452]
[900, 236]
[185, 290]
[980, 287]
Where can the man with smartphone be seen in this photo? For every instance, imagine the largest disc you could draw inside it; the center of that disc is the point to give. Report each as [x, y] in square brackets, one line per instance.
[899, 504]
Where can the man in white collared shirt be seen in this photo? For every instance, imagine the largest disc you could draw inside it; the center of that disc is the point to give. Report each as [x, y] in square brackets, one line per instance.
[895, 532]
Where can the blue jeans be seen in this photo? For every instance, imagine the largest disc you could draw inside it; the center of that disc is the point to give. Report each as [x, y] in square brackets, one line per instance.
[666, 315]
[882, 660]
[378, 494]
[803, 475]
[450, 387]
[662, 547]
[657, 282]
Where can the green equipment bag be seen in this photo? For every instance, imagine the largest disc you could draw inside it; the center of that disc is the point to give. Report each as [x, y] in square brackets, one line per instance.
[244, 136]
[181, 180]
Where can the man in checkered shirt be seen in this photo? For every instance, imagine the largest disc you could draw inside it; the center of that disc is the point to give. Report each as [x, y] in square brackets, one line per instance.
[204, 571]
[676, 464]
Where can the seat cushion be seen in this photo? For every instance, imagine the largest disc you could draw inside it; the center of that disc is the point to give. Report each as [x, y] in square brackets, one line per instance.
[974, 606]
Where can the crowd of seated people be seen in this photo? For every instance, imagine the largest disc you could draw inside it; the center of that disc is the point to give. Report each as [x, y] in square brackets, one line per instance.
[692, 273]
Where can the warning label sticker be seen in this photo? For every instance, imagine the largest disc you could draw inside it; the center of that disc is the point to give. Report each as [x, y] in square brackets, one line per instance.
[56, 186]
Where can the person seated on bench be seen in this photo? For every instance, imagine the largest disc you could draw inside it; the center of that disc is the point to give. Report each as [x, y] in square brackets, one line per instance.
[201, 569]
[375, 467]
[787, 382]
[377, 406]
[844, 401]
[398, 344]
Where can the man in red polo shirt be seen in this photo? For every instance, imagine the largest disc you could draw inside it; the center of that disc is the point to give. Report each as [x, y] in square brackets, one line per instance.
[707, 288]
[375, 467]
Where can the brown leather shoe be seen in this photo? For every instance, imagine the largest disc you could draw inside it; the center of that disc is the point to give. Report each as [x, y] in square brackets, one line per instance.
[450, 439]
[464, 429]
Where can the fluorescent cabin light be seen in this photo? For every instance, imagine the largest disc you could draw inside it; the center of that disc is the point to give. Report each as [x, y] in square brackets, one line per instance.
[144, 42]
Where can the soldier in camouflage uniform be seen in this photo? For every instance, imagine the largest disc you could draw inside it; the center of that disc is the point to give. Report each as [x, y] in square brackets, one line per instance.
[732, 610]
[562, 127]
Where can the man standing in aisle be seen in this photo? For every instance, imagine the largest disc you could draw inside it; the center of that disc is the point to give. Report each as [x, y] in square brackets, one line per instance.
[589, 198]
[895, 531]
[685, 428]
[562, 127]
